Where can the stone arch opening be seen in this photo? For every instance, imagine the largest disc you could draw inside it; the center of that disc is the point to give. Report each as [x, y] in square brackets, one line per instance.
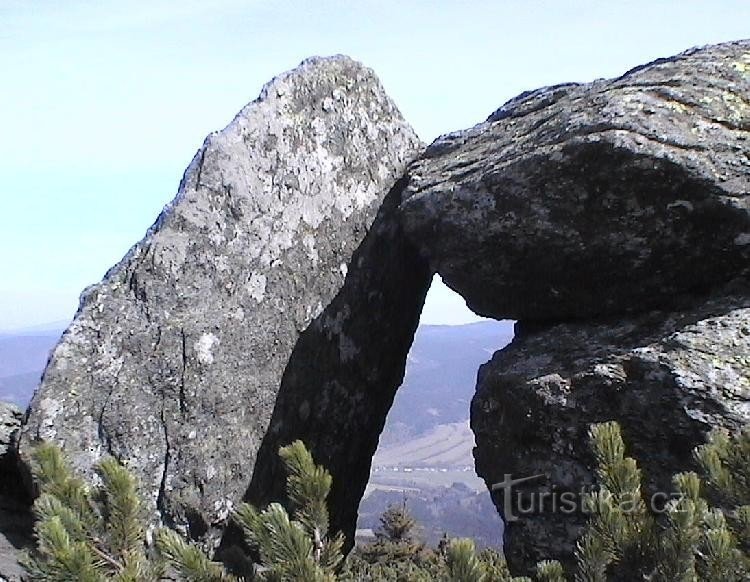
[348, 365]
[346, 368]
[425, 452]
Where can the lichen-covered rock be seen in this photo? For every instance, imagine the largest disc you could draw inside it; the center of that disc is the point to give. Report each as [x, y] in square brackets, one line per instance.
[15, 511]
[174, 361]
[666, 377]
[345, 369]
[583, 200]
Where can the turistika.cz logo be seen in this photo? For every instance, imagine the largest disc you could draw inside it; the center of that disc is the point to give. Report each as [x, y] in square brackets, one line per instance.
[516, 504]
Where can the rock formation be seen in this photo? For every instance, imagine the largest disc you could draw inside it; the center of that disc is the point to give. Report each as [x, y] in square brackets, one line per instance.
[582, 200]
[667, 377]
[345, 369]
[15, 517]
[277, 296]
[594, 205]
[174, 361]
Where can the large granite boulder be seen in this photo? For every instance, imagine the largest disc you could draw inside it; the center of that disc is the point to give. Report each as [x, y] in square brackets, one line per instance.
[583, 200]
[667, 377]
[174, 361]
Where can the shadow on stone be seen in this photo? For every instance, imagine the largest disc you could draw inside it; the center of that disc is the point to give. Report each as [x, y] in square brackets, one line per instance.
[344, 372]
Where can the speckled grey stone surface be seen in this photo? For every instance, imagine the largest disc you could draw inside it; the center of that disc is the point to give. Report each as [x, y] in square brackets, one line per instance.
[174, 361]
[15, 516]
[10, 422]
[582, 200]
[667, 377]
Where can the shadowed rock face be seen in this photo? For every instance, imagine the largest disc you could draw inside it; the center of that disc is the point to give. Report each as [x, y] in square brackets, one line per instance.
[174, 361]
[667, 377]
[583, 200]
[345, 369]
[579, 204]
[15, 514]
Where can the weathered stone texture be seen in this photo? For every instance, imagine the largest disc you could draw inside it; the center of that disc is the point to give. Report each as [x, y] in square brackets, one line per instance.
[10, 422]
[15, 514]
[346, 368]
[666, 377]
[175, 359]
[583, 200]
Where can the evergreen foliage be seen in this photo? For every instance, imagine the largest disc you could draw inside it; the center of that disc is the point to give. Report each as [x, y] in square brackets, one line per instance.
[84, 535]
[620, 529]
[550, 571]
[397, 525]
[93, 535]
[188, 561]
[297, 548]
[463, 563]
[398, 555]
[691, 541]
[396, 539]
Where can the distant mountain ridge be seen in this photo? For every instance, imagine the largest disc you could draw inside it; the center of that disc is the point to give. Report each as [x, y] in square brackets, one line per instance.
[23, 357]
[441, 374]
[41, 329]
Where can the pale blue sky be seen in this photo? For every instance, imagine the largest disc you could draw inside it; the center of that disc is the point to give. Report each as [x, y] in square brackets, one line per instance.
[103, 104]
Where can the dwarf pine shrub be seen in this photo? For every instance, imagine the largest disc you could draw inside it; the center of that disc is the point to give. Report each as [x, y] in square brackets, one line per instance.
[99, 534]
[88, 535]
[292, 548]
[96, 534]
[692, 541]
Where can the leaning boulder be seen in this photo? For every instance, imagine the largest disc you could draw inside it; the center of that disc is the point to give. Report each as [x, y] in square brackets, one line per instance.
[667, 377]
[344, 371]
[174, 361]
[585, 200]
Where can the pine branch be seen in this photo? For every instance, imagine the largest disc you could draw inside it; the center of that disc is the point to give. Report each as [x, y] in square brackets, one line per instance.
[550, 571]
[592, 559]
[60, 559]
[724, 460]
[188, 560]
[121, 509]
[308, 486]
[52, 472]
[463, 564]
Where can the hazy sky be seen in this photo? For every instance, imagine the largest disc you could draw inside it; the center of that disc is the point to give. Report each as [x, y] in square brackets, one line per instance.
[103, 104]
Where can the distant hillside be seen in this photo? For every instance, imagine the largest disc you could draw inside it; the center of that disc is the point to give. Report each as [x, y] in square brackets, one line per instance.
[441, 375]
[444, 446]
[425, 453]
[456, 510]
[19, 388]
[23, 356]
